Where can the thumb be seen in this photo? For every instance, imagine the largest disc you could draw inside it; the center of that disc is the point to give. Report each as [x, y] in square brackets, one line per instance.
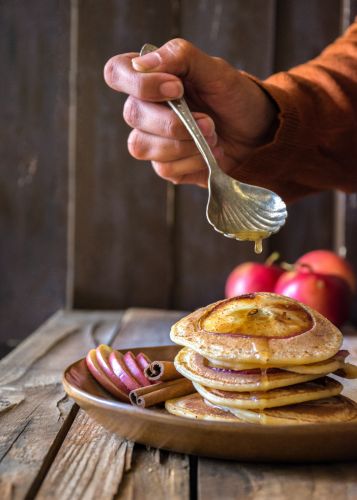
[181, 58]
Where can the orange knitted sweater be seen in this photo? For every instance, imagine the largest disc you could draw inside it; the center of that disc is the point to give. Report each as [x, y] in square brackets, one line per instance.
[315, 146]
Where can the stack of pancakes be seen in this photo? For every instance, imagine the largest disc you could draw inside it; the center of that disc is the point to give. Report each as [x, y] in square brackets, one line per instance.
[262, 358]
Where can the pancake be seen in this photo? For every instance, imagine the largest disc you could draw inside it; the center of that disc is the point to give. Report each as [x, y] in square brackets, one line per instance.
[323, 411]
[318, 389]
[193, 366]
[263, 329]
[193, 406]
[330, 365]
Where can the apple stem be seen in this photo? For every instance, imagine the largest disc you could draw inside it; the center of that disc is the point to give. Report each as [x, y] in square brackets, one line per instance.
[287, 266]
[272, 258]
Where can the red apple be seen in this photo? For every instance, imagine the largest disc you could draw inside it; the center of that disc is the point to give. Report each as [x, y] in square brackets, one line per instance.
[329, 295]
[135, 369]
[327, 262]
[253, 277]
[102, 379]
[103, 352]
[116, 360]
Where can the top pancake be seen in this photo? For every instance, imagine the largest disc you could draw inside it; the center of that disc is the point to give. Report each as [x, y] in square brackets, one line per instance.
[263, 329]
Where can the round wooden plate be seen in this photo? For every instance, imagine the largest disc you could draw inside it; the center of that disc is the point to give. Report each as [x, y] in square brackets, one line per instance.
[241, 441]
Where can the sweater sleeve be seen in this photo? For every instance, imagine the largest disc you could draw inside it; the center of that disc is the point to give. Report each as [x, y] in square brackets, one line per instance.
[315, 145]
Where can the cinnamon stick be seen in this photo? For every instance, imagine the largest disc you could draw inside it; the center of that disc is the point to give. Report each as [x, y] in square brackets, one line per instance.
[162, 370]
[155, 394]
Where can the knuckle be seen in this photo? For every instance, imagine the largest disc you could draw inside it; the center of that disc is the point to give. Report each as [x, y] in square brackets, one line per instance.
[131, 112]
[221, 62]
[172, 127]
[180, 47]
[177, 148]
[143, 89]
[136, 145]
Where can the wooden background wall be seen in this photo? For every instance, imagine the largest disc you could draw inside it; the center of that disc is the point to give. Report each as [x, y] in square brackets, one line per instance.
[84, 224]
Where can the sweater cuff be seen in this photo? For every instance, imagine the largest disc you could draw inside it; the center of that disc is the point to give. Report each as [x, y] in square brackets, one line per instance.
[286, 135]
[276, 156]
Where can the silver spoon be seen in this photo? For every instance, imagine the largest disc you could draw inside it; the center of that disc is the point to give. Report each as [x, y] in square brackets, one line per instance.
[235, 209]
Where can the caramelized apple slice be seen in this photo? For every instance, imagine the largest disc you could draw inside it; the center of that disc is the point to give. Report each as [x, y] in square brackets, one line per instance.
[103, 352]
[117, 362]
[102, 379]
[135, 369]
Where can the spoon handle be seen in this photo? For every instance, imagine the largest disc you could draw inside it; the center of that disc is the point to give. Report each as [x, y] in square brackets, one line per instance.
[182, 110]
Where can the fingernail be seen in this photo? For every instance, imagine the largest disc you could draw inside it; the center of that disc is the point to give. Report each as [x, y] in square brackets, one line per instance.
[206, 125]
[147, 62]
[173, 89]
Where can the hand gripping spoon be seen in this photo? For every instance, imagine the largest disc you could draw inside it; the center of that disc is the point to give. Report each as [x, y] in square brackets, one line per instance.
[235, 209]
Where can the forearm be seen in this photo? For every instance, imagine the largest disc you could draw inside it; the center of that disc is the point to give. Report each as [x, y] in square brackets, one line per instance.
[315, 146]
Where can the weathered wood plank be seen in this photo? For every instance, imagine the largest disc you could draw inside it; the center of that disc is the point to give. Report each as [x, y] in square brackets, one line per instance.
[229, 480]
[90, 463]
[349, 218]
[123, 256]
[146, 327]
[94, 463]
[34, 59]
[156, 474]
[28, 438]
[241, 32]
[317, 23]
[351, 241]
[61, 340]
[38, 413]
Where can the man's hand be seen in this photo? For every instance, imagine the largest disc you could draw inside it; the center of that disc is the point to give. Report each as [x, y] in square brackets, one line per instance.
[234, 113]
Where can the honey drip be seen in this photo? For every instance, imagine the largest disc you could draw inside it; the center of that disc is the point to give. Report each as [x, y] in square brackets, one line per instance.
[264, 378]
[258, 246]
[261, 349]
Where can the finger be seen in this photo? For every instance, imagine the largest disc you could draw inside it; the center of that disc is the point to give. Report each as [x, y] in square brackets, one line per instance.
[144, 146]
[185, 167]
[182, 58]
[159, 119]
[198, 178]
[120, 75]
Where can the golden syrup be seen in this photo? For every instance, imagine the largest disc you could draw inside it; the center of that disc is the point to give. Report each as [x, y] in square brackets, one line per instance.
[256, 236]
[260, 399]
[258, 246]
[261, 349]
[264, 379]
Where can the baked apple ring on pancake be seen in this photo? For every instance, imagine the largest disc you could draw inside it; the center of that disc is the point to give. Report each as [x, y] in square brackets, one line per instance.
[261, 329]
[193, 406]
[323, 411]
[318, 389]
[192, 366]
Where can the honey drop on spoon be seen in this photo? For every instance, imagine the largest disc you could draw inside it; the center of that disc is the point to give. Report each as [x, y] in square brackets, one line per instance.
[258, 245]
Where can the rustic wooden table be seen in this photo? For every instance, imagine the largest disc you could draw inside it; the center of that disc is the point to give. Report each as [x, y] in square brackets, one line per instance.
[49, 448]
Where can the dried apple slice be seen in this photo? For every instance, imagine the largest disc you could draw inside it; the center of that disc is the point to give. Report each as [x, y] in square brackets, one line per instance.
[103, 352]
[101, 377]
[142, 360]
[135, 369]
[117, 362]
